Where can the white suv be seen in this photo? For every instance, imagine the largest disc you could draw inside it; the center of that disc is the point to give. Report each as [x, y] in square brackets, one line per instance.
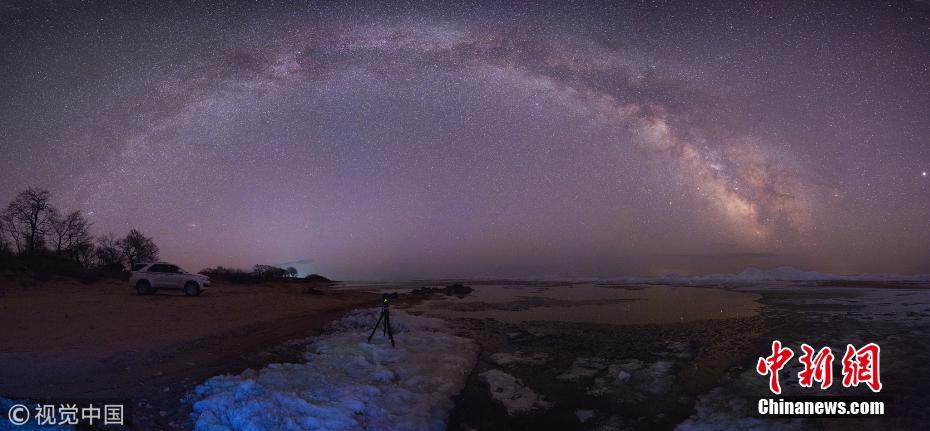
[149, 277]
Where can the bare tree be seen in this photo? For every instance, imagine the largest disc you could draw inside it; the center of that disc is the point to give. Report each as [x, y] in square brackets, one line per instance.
[83, 253]
[70, 233]
[58, 227]
[108, 252]
[10, 230]
[137, 247]
[79, 243]
[4, 245]
[29, 217]
[269, 272]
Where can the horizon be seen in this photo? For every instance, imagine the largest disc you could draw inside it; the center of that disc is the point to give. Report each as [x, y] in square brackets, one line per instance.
[671, 277]
[455, 141]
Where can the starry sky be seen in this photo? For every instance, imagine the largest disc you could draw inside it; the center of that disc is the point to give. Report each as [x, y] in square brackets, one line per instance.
[465, 139]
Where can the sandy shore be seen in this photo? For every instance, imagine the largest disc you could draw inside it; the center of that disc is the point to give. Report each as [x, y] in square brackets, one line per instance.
[64, 339]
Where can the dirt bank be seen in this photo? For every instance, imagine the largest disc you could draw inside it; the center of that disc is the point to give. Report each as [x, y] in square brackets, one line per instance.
[63, 339]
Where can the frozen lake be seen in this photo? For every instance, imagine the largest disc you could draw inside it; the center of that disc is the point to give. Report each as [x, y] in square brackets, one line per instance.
[589, 303]
[563, 355]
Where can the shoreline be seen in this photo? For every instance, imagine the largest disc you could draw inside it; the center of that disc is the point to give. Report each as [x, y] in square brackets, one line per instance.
[56, 354]
[570, 374]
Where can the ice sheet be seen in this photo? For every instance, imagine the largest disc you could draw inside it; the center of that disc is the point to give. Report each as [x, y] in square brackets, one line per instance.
[347, 383]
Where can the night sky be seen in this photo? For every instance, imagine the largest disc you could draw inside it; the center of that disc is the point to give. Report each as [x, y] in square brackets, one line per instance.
[372, 141]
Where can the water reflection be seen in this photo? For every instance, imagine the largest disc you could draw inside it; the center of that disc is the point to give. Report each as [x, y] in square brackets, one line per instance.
[590, 303]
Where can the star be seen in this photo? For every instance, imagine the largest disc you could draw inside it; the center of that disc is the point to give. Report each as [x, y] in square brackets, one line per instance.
[381, 137]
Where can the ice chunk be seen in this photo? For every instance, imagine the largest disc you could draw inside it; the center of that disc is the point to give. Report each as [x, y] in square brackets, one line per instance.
[512, 393]
[584, 415]
[505, 359]
[660, 374]
[347, 383]
[728, 408]
[635, 377]
[583, 368]
[721, 410]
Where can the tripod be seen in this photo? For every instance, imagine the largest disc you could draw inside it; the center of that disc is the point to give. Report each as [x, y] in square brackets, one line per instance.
[386, 317]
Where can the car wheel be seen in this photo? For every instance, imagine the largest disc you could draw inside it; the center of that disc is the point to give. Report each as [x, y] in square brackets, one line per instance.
[192, 288]
[144, 287]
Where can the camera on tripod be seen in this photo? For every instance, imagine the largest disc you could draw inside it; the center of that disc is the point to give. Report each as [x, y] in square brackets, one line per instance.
[385, 317]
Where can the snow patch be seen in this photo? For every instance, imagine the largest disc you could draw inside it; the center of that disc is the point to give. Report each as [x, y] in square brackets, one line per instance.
[347, 383]
[512, 393]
